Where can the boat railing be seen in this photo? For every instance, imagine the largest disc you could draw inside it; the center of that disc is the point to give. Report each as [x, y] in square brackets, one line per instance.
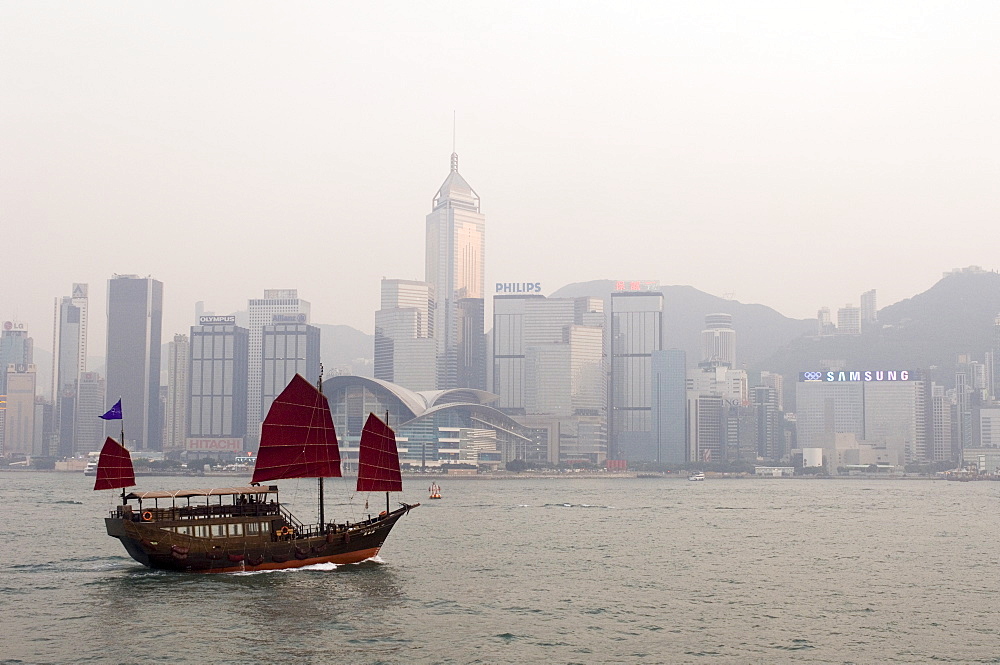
[290, 519]
[198, 512]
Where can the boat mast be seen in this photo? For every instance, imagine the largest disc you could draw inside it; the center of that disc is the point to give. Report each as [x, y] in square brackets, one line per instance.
[322, 518]
[387, 494]
[121, 440]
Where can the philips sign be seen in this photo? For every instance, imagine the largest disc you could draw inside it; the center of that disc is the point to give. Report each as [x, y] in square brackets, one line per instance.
[519, 287]
[840, 376]
[216, 320]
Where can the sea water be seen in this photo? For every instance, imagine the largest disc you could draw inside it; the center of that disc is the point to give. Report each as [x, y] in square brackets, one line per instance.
[529, 571]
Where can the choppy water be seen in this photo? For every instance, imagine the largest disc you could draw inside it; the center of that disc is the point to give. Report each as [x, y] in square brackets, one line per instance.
[528, 571]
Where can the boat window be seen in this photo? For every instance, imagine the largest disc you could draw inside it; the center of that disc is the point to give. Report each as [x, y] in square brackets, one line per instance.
[218, 530]
[255, 528]
[235, 530]
[201, 531]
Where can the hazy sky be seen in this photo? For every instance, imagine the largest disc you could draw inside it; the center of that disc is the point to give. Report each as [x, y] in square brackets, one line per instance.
[793, 154]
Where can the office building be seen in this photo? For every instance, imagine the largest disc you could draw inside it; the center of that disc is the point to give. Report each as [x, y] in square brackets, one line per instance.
[217, 392]
[884, 408]
[869, 310]
[19, 421]
[277, 306]
[135, 316]
[90, 404]
[70, 354]
[669, 396]
[16, 350]
[455, 270]
[636, 332]
[548, 369]
[287, 349]
[405, 349]
[718, 341]
[849, 320]
[178, 392]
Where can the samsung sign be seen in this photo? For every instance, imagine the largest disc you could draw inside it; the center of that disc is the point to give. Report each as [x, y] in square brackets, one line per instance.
[841, 376]
[519, 287]
[216, 320]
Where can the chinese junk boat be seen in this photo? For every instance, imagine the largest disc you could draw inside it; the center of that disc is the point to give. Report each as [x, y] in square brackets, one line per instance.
[247, 528]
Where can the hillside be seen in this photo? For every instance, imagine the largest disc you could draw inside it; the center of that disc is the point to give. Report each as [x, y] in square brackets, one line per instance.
[926, 332]
[760, 330]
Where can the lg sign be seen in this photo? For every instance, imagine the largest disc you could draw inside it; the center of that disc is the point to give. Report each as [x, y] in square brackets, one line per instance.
[519, 287]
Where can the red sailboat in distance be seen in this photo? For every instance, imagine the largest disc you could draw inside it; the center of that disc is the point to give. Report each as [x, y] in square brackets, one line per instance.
[247, 528]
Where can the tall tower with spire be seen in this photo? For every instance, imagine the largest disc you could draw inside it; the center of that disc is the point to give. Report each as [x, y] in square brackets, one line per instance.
[455, 267]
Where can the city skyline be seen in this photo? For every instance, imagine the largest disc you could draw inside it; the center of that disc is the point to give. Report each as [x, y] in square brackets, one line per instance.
[608, 149]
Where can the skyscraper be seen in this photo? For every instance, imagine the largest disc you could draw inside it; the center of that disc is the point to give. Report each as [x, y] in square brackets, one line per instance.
[718, 341]
[548, 361]
[89, 406]
[16, 350]
[135, 316]
[405, 350]
[455, 265]
[288, 349]
[636, 332]
[869, 310]
[218, 385]
[70, 361]
[277, 306]
[178, 391]
[19, 424]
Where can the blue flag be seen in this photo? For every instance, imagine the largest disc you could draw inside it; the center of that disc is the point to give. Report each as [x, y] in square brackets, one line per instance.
[114, 413]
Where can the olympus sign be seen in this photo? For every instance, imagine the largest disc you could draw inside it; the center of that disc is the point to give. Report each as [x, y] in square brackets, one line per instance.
[216, 320]
[519, 287]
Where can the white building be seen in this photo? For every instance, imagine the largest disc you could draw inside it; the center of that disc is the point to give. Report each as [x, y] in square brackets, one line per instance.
[548, 361]
[178, 390]
[277, 306]
[718, 341]
[405, 349]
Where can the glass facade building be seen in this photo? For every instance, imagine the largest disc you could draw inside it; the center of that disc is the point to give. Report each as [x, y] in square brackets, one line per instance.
[287, 349]
[636, 332]
[218, 381]
[455, 269]
[135, 316]
[405, 350]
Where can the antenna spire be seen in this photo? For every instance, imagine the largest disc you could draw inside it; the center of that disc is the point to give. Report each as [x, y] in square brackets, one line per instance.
[454, 153]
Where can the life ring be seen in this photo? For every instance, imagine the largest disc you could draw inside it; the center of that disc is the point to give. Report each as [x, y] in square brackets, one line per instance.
[147, 516]
[383, 514]
[285, 531]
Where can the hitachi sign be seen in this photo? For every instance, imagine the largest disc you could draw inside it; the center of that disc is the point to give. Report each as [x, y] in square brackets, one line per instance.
[519, 287]
[838, 376]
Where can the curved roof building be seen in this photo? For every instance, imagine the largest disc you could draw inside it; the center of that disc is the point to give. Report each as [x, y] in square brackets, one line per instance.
[431, 427]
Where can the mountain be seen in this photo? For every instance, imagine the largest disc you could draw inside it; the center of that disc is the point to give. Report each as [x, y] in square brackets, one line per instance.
[346, 350]
[760, 330]
[926, 332]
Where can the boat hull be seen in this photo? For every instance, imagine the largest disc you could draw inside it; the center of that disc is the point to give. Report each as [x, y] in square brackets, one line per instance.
[157, 544]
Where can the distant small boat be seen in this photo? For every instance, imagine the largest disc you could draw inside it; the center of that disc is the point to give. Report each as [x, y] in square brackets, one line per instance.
[697, 475]
[91, 468]
[435, 491]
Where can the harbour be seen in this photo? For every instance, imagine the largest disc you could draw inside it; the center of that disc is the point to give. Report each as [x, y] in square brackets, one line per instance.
[579, 571]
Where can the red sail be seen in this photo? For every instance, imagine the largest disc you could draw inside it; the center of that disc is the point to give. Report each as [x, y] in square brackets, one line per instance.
[297, 439]
[378, 461]
[114, 467]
